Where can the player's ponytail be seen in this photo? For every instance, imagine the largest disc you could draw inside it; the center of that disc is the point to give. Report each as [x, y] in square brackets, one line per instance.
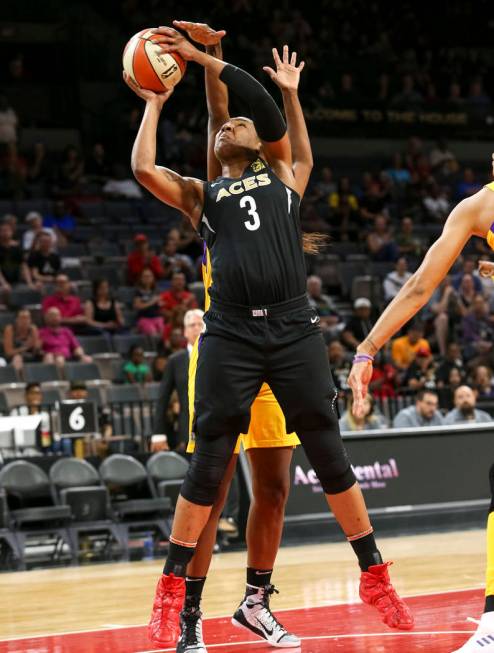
[314, 242]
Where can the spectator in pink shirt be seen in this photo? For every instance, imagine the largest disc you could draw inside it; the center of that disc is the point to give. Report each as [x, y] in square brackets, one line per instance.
[70, 306]
[58, 342]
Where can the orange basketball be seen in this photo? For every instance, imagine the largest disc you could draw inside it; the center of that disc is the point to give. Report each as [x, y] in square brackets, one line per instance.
[148, 66]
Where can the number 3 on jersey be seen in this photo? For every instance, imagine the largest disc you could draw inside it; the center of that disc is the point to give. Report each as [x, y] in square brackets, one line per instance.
[254, 222]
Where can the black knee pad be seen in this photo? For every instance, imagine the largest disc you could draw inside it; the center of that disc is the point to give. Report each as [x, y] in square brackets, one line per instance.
[207, 469]
[329, 459]
[211, 424]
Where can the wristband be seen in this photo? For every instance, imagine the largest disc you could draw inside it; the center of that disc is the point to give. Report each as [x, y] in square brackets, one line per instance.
[363, 358]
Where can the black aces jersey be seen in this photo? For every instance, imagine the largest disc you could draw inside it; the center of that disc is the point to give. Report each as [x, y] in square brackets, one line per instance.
[252, 230]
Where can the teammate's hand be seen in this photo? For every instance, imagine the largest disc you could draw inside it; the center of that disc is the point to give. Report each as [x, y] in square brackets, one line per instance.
[486, 269]
[287, 73]
[358, 380]
[200, 32]
[172, 41]
[149, 96]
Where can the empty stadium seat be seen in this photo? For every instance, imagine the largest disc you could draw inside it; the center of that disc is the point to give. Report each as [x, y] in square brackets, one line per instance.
[40, 372]
[81, 372]
[123, 343]
[8, 374]
[95, 344]
[6, 534]
[167, 471]
[6, 317]
[20, 297]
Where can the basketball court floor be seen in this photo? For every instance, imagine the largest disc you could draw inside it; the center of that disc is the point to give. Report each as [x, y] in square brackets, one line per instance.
[104, 608]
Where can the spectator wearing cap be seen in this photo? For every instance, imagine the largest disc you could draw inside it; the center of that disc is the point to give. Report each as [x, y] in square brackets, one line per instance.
[69, 305]
[424, 413]
[322, 303]
[395, 280]
[58, 342]
[43, 262]
[465, 410]
[177, 296]
[35, 222]
[359, 325]
[405, 348]
[142, 257]
[422, 371]
[13, 269]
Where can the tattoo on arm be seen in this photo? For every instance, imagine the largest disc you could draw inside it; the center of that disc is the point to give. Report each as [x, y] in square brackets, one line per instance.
[372, 345]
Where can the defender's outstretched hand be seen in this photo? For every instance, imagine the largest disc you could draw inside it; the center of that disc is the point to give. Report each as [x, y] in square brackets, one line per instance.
[486, 269]
[200, 32]
[287, 73]
[359, 379]
[149, 96]
[172, 41]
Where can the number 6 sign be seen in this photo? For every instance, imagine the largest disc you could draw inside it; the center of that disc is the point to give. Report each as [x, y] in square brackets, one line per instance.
[77, 418]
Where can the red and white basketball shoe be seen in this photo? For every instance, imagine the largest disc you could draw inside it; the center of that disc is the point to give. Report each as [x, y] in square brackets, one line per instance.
[164, 624]
[376, 590]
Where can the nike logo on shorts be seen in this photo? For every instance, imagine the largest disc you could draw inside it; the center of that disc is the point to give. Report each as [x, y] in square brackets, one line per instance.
[314, 319]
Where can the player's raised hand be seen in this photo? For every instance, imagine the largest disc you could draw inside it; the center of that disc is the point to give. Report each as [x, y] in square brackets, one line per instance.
[359, 379]
[172, 41]
[148, 96]
[287, 73]
[200, 32]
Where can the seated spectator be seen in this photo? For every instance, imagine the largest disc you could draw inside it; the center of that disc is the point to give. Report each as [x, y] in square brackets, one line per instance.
[436, 203]
[71, 171]
[444, 309]
[142, 257]
[39, 170]
[424, 413]
[21, 341]
[452, 360]
[172, 261]
[33, 400]
[404, 348]
[468, 186]
[408, 243]
[469, 267]
[408, 99]
[383, 380]
[97, 166]
[374, 199]
[380, 241]
[11, 220]
[442, 159]
[482, 382]
[322, 303]
[466, 295]
[422, 372]
[61, 221]
[147, 303]
[344, 190]
[58, 342]
[102, 311]
[13, 269]
[8, 121]
[324, 186]
[35, 222]
[370, 421]
[178, 295]
[398, 173]
[477, 331]
[446, 392]
[340, 362]
[465, 410]
[395, 280]
[159, 364]
[136, 369]
[43, 262]
[122, 185]
[359, 325]
[69, 305]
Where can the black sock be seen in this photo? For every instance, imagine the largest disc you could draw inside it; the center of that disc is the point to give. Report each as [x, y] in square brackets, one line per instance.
[489, 604]
[194, 586]
[366, 551]
[178, 558]
[258, 577]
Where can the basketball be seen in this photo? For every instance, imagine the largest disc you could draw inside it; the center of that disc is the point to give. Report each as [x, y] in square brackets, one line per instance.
[152, 69]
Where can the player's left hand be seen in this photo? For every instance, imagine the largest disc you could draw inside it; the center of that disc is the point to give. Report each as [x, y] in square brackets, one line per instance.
[358, 380]
[200, 32]
[172, 41]
[287, 73]
[486, 269]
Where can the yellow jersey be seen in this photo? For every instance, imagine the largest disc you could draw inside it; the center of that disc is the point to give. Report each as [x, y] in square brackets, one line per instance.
[490, 233]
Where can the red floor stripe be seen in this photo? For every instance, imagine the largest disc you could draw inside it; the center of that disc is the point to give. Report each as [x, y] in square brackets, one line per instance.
[440, 628]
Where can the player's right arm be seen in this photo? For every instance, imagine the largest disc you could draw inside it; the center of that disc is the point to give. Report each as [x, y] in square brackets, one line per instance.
[183, 193]
[216, 90]
[416, 292]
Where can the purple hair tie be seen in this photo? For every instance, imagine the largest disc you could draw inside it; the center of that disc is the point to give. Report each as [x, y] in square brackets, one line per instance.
[363, 358]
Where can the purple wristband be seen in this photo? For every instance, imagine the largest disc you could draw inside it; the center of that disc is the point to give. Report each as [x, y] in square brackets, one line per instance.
[363, 358]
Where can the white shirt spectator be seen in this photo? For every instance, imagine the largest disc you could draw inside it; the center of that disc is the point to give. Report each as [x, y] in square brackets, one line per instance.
[393, 283]
[123, 187]
[30, 235]
[8, 125]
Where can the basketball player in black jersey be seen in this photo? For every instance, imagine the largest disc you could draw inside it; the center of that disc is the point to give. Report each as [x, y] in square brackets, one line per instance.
[260, 326]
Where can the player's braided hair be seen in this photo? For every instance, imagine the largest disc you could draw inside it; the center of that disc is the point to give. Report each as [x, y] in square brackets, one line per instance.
[314, 242]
